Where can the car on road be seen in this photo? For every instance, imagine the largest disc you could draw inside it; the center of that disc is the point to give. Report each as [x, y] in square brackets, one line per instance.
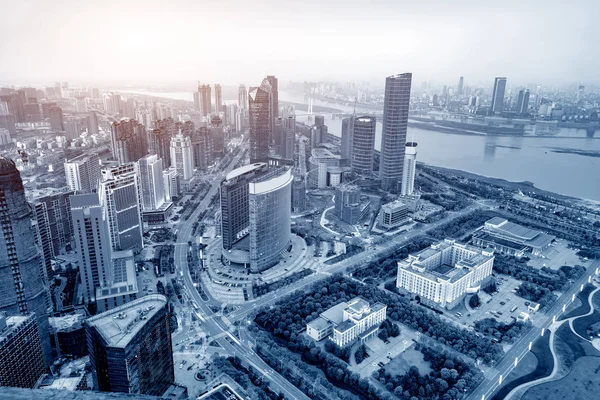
[502, 303]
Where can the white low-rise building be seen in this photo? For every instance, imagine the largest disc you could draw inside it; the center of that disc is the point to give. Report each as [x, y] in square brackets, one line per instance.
[345, 322]
[444, 272]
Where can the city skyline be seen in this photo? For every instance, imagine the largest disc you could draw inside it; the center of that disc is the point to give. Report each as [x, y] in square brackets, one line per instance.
[431, 44]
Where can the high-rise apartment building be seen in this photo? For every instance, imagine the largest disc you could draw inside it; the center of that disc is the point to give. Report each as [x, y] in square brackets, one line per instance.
[171, 181]
[120, 198]
[80, 104]
[21, 356]
[83, 173]
[204, 100]
[24, 289]
[410, 167]
[92, 124]
[54, 229]
[56, 118]
[92, 242]
[130, 347]
[202, 148]
[498, 96]
[393, 135]
[260, 104]
[181, 156]
[129, 141]
[363, 145]
[160, 140]
[150, 170]
[218, 98]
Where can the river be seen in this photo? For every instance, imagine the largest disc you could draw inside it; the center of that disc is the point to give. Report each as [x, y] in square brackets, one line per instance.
[527, 158]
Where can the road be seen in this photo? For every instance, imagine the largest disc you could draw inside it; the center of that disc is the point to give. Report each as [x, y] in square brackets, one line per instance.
[360, 259]
[489, 385]
[213, 324]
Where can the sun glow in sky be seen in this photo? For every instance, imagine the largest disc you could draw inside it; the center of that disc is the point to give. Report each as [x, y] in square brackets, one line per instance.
[233, 41]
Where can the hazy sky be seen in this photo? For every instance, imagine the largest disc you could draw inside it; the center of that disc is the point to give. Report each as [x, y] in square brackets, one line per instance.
[233, 41]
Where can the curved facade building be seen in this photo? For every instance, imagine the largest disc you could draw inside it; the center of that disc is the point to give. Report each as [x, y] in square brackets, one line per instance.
[270, 199]
[363, 145]
[23, 288]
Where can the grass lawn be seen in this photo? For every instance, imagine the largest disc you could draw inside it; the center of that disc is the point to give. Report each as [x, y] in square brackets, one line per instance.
[584, 305]
[541, 350]
[582, 383]
[402, 363]
[580, 325]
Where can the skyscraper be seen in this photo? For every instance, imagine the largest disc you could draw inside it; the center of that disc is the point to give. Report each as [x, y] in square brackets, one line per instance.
[24, 289]
[52, 217]
[129, 141]
[523, 102]
[21, 356]
[256, 202]
[289, 127]
[130, 347]
[83, 173]
[202, 148]
[56, 119]
[150, 170]
[259, 103]
[498, 96]
[243, 97]
[92, 242]
[204, 100]
[120, 198]
[461, 84]
[92, 124]
[218, 98]
[363, 145]
[270, 208]
[393, 135]
[181, 156]
[346, 147]
[410, 166]
[274, 98]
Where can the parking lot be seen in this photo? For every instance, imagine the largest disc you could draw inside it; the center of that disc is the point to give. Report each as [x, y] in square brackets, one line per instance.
[500, 306]
[555, 256]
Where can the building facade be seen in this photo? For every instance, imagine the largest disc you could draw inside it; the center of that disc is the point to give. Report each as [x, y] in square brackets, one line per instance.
[363, 145]
[498, 96]
[129, 141]
[393, 215]
[202, 148]
[393, 134]
[259, 114]
[23, 288]
[120, 198]
[348, 205]
[270, 202]
[83, 173]
[346, 322]
[130, 347]
[410, 169]
[21, 357]
[181, 156]
[445, 272]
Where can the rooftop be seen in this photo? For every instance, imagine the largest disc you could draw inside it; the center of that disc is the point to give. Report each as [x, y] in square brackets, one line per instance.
[119, 325]
[319, 324]
[335, 314]
[344, 326]
[243, 170]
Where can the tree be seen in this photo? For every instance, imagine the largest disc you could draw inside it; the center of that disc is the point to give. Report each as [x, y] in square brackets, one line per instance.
[383, 334]
[474, 301]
